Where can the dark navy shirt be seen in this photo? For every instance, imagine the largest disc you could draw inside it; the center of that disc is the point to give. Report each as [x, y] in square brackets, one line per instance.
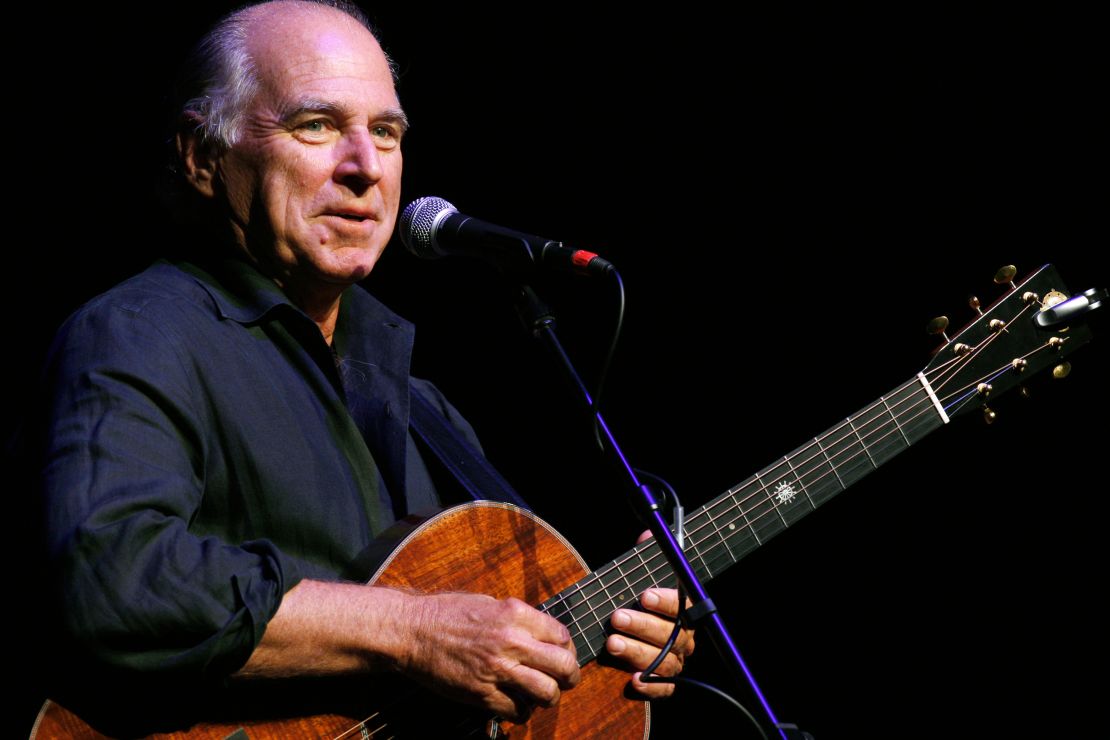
[205, 450]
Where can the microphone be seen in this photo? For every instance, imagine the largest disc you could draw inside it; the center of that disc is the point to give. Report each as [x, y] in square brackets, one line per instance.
[431, 228]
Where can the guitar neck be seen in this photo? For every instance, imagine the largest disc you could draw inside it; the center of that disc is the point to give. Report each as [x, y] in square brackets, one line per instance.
[737, 522]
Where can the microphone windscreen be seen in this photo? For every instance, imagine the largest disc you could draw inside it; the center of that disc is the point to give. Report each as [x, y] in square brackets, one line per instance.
[418, 222]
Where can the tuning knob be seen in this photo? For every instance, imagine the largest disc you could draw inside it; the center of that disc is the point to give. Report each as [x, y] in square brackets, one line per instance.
[973, 301]
[938, 326]
[1005, 275]
[988, 415]
[1061, 371]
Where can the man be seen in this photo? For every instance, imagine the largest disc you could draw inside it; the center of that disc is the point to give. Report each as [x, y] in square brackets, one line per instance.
[228, 432]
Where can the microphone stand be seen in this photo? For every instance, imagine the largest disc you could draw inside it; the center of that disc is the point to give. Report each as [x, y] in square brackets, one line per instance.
[702, 613]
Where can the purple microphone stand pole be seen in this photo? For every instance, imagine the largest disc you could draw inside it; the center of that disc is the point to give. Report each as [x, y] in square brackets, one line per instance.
[702, 613]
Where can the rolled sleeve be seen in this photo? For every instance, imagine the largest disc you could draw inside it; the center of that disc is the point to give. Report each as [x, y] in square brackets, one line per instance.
[123, 476]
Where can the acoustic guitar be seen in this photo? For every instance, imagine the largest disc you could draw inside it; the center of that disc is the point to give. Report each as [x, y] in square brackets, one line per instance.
[504, 551]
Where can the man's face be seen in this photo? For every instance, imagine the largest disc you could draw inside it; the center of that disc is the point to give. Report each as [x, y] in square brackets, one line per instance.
[313, 183]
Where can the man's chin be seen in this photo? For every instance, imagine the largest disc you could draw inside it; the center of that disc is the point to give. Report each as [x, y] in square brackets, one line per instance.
[350, 268]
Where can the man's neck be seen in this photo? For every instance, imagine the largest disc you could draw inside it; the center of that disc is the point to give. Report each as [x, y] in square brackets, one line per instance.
[321, 305]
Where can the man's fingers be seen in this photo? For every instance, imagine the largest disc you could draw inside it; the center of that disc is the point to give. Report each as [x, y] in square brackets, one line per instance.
[661, 600]
[652, 690]
[652, 629]
[642, 626]
[536, 686]
[554, 663]
[640, 655]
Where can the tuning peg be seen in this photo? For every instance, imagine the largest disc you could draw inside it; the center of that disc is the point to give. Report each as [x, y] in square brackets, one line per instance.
[973, 301]
[938, 326]
[1024, 392]
[988, 415]
[1062, 370]
[1052, 298]
[1005, 275]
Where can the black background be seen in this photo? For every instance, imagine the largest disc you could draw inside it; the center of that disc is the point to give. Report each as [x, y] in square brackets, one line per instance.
[789, 196]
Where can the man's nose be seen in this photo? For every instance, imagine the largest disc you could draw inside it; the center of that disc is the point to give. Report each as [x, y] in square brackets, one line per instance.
[360, 165]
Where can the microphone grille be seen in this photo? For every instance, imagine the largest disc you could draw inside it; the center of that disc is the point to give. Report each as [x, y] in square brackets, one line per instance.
[418, 223]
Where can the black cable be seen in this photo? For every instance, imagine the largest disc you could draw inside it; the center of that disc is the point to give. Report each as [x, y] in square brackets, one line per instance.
[648, 674]
[595, 405]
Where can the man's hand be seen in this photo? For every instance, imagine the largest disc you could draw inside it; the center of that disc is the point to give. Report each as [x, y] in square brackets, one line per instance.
[501, 654]
[641, 634]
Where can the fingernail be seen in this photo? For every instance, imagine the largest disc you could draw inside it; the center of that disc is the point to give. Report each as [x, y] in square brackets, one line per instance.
[621, 619]
[616, 645]
[651, 599]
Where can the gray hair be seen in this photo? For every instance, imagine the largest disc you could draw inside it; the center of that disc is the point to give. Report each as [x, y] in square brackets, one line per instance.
[218, 81]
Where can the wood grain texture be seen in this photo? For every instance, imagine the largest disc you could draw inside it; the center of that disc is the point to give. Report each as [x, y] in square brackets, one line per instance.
[483, 547]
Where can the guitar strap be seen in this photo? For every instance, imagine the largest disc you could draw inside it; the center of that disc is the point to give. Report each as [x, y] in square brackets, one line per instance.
[469, 467]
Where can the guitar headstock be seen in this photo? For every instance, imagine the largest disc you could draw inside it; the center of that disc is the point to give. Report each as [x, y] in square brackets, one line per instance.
[1004, 345]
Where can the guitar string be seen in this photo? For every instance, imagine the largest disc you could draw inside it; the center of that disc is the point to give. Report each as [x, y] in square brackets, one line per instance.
[588, 599]
[648, 572]
[361, 729]
[653, 565]
[649, 567]
[925, 404]
[649, 575]
[647, 564]
[994, 374]
[468, 724]
[726, 538]
[988, 340]
[638, 550]
[564, 599]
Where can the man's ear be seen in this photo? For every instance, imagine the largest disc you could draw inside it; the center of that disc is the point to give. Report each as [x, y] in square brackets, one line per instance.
[198, 160]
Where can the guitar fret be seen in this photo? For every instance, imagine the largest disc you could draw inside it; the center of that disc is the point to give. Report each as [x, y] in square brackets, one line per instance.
[831, 466]
[729, 535]
[758, 507]
[801, 482]
[829, 462]
[895, 419]
[861, 444]
[694, 555]
[723, 542]
[770, 499]
[882, 441]
[743, 518]
[748, 522]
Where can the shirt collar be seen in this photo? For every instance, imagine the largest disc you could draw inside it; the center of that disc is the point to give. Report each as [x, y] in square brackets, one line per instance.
[241, 293]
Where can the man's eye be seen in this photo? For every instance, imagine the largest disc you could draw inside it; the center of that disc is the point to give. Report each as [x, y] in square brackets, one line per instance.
[314, 127]
[387, 136]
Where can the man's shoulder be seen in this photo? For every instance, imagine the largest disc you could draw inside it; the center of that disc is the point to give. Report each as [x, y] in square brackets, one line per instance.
[149, 314]
[162, 289]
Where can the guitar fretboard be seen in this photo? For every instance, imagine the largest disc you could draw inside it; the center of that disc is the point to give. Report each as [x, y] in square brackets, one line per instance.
[738, 521]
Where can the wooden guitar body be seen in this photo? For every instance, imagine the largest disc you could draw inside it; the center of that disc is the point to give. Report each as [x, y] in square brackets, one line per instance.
[482, 547]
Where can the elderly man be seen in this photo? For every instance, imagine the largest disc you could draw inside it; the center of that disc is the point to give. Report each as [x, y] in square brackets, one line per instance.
[227, 433]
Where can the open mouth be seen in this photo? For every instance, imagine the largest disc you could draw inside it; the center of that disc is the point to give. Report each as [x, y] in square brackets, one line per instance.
[351, 217]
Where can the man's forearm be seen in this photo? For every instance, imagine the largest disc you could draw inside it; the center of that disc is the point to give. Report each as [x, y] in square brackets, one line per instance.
[330, 629]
